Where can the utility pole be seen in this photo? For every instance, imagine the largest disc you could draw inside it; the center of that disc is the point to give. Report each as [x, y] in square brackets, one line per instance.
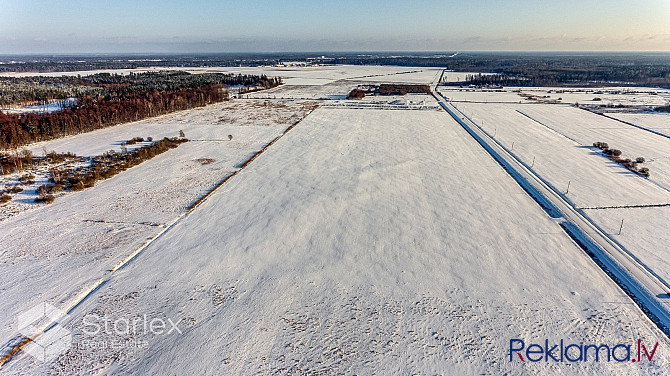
[568, 190]
[621, 227]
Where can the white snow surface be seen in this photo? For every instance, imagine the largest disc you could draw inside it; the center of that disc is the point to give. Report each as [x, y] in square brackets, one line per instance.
[362, 242]
[555, 141]
[658, 122]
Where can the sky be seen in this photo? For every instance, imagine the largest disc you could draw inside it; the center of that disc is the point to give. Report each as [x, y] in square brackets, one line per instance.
[171, 26]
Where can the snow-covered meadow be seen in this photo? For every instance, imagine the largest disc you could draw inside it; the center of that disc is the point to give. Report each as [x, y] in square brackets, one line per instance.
[555, 141]
[657, 122]
[378, 240]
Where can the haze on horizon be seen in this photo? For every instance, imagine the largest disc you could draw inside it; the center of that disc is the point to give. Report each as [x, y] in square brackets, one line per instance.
[170, 26]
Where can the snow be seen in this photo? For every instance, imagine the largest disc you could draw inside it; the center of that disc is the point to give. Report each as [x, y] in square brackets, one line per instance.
[658, 122]
[83, 234]
[311, 75]
[557, 141]
[482, 95]
[586, 127]
[363, 241]
[614, 96]
[640, 232]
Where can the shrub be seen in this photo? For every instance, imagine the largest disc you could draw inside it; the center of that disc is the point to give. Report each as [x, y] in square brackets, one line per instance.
[640, 159]
[150, 139]
[601, 145]
[27, 179]
[47, 199]
[356, 94]
[54, 157]
[78, 186]
[134, 140]
[5, 198]
[643, 171]
[47, 189]
[56, 188]
[616, 152]
[16, 189]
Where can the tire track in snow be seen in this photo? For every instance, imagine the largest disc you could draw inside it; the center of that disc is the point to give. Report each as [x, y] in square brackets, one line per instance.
[18, 342]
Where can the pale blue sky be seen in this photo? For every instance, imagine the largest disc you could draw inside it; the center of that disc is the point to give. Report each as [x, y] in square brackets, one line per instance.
[38, 26]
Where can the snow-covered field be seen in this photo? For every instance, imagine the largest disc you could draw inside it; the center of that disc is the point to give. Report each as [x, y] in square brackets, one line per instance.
[479, 95]
[348, 247]
[657, 122]
[364, 241]
[312, 75]
[556, 141]
[247, 121]
[53, 252]
[628, 96]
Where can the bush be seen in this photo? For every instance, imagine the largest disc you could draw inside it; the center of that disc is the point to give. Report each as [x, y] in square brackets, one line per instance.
[47, 199]
[27, 179]
[78, 186]
[56, 188]
[5, 198]
[42, 190]
[356, 94]
[134, 140]
[150, 139]
[54, 157]
[601, 145]
[640, 159]
[643, 171]
[16, 189]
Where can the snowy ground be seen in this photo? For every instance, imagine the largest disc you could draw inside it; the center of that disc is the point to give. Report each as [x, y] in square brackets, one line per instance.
[247, 121]
[657, 122]
[363, 241]
[312, 75]
[613, 96]
[555, 140]
[83, 234]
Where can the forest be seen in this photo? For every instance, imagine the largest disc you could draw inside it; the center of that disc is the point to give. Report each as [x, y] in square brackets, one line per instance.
[543, 68]
[104, 100]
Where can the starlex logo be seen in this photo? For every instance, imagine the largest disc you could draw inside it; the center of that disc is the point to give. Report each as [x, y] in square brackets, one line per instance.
[560, 352]
[48, 339]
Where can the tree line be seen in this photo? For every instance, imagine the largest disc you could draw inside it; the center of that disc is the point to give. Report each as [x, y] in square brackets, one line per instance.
[41, 89]
[108, 99]
[92, 113]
